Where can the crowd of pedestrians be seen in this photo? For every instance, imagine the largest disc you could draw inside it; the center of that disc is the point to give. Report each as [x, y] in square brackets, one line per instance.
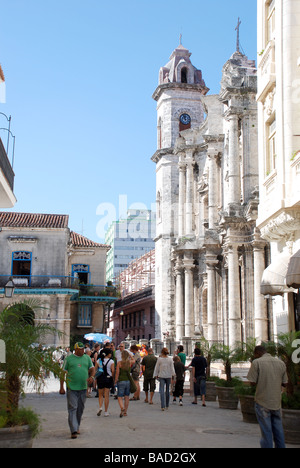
[117, 372]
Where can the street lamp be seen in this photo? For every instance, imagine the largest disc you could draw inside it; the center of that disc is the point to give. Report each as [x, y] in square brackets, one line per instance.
[9, 288]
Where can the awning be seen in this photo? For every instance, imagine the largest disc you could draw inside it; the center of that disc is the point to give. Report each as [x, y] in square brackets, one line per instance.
[293, 272]
[274, 277]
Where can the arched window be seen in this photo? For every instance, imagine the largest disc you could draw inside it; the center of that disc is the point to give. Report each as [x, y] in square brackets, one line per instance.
[184, 75]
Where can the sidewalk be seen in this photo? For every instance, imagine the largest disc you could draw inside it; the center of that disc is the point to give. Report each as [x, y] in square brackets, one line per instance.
[146, 426]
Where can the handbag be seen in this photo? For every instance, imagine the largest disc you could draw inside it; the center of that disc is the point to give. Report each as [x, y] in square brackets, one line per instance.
[133, 387]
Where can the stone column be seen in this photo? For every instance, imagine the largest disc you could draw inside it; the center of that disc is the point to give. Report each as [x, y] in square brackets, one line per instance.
[212, 314]
[234, 161]
[260, 304]
[60, 318]
[181, 200]
[212, 188]
[234, 296]
[189, 195]
[189, 295]
[179, 300]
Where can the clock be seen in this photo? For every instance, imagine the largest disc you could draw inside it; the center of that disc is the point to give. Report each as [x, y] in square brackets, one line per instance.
[185, 119]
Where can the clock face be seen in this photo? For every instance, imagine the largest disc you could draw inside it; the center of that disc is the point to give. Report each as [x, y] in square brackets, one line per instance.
[185, 119]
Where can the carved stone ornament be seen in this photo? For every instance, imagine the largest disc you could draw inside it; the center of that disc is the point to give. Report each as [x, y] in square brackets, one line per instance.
[281, 227]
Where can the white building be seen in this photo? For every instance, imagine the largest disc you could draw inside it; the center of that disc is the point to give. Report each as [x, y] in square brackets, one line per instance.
[7, 176]
[279, 154]
[209, 255]
[129, 238]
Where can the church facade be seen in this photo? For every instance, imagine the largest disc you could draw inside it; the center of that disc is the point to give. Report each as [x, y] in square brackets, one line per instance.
[210, 256]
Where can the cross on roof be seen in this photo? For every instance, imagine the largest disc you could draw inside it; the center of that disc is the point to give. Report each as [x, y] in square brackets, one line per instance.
[238, 35]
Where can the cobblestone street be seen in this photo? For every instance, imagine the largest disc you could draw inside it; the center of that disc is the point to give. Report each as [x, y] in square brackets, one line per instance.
[146, 426]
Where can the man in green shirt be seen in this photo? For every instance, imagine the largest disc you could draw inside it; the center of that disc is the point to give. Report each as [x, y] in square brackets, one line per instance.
[80, 372]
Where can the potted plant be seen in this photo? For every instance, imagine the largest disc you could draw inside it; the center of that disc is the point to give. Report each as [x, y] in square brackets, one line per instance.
[225, 387]
[110, 289]
[25, 363]
[286, 350]
[246, 395]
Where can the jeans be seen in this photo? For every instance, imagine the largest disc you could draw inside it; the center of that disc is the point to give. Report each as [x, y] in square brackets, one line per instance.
[271, 427]
[200, 386]
[76, 402]
[164, 383]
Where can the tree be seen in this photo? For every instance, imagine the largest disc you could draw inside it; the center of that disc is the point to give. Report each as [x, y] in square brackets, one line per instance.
[24, 361]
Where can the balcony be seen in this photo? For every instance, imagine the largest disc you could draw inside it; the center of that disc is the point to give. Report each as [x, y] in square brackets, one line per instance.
[55, 284]
[7, 198]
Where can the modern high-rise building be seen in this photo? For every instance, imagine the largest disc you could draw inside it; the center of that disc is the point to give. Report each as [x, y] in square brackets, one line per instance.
[129, 238]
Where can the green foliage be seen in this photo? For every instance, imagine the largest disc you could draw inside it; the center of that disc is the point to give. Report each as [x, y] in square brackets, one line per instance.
[243, 389]
[284, 348]
[226, 354]
[291, 401]
[24, 362]
[21, 417]
[234, 382]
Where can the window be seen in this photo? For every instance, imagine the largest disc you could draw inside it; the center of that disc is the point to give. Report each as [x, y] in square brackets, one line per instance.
[270, 20]
[85, 315]
[21, 263]
[81, 272]
[152, 315]
[271, 147]
[184, 73]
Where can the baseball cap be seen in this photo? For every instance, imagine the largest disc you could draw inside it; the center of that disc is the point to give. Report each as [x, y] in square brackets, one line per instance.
[79, 345]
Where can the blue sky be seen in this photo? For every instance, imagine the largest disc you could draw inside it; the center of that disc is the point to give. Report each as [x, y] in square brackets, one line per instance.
[79, 82]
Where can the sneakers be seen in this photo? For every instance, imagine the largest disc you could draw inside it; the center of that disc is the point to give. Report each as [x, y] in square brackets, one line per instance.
[106, 415]
[99, 412]
[180, 403]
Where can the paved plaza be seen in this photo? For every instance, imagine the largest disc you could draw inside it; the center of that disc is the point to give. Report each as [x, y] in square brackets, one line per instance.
[186, 427]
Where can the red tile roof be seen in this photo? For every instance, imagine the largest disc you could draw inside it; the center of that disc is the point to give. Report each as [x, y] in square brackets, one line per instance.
[77, 240]
[33, 220]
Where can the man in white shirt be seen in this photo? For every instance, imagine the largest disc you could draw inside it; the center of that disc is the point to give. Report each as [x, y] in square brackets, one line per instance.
[119, 351]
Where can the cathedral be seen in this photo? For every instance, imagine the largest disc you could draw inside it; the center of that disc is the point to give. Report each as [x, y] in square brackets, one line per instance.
[210, 257]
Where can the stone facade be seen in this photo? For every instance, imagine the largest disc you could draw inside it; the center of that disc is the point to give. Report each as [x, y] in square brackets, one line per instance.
[209, 254]
[278, 100]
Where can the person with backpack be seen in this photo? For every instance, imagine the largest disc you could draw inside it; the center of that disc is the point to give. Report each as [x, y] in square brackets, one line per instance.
[105, 370]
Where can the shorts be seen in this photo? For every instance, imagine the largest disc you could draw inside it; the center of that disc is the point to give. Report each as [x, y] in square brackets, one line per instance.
[149, 383]
[200, 387]
[123, 389]
[104, 382]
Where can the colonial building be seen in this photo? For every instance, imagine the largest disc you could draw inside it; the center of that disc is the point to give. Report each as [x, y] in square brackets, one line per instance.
[134, 313]
[279, 156]
[209, 255]
[62, 269]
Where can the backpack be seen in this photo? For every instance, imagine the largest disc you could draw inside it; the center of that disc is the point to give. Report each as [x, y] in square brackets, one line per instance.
[102, 370]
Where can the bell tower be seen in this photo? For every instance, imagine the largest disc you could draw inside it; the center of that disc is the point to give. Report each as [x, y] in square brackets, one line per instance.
[179, 108]
[178, 96]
